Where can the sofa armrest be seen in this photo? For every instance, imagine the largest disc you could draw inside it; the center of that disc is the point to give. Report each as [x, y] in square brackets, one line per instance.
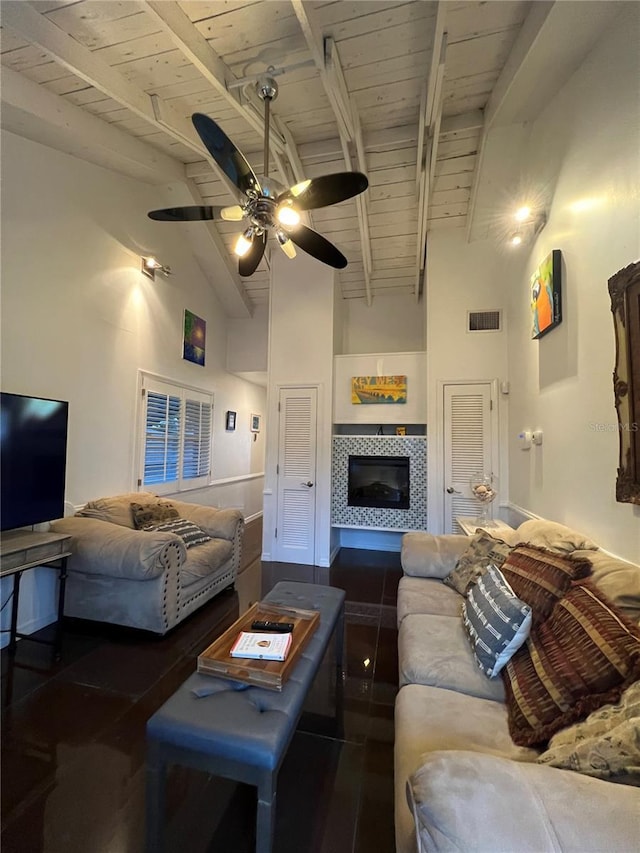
[102, 548]
[425, 555]
[219, 523]
[468, 800]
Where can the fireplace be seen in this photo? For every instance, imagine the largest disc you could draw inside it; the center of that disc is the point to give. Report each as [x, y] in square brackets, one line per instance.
[379, 481]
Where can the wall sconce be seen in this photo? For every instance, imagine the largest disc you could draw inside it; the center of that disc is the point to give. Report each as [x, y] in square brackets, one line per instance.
[150, 266]
[529, 223]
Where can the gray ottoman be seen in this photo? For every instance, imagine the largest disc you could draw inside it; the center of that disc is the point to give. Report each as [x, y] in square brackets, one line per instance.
[238, 731]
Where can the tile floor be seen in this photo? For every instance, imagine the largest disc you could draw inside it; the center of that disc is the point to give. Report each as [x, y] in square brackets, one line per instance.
[73, 735]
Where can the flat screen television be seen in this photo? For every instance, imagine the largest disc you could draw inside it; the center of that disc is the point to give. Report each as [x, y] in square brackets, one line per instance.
[33, 442]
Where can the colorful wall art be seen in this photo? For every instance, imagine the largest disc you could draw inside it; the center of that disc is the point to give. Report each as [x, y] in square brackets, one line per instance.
[546, 295]
[195, 333]
[378, 389]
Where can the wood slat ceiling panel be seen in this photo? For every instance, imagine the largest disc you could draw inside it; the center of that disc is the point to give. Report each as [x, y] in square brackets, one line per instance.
[385, 50]
[95, 24]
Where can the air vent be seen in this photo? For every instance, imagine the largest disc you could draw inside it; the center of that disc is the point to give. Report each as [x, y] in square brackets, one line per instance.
[484, 321]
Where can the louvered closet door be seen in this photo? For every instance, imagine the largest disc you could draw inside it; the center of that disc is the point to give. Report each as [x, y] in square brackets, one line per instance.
[467, 447]
[295, 536]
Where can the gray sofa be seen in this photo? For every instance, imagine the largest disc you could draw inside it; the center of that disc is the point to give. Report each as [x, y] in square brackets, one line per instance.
[461, 783]
[146, 579]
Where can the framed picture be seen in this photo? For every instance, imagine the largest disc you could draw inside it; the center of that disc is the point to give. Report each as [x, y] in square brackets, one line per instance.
[231, 421]
[255, 423]
[546, 295]
[194, 337]
[378, 389]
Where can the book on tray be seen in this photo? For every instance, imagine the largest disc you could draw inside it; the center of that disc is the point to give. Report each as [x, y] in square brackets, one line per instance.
[271, 646]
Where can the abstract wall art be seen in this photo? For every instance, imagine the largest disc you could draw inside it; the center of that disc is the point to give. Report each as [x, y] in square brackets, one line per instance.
[195, 333]
[546, 295]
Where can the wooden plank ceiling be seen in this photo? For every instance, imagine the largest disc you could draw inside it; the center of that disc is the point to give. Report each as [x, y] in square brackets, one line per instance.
[395, 89]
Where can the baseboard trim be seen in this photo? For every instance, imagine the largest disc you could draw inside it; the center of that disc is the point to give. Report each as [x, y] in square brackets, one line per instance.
[30, 627]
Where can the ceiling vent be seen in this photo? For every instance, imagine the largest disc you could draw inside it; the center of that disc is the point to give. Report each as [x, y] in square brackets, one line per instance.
[484, 321]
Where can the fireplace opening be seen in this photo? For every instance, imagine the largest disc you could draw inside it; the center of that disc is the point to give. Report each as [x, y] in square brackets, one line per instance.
[379, 481]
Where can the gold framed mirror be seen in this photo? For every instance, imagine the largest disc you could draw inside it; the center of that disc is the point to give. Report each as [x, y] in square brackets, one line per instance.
[624, 290]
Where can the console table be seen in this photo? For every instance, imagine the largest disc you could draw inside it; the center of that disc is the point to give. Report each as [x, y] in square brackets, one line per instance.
[494, 526]
[26, 549]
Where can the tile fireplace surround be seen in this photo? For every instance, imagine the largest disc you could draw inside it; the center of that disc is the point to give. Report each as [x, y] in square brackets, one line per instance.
[377, 518]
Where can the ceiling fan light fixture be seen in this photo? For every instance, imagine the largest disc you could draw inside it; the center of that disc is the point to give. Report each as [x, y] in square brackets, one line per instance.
[234, 213]
[298, 189]
[285, 243]
[287, 215]
[243, 243]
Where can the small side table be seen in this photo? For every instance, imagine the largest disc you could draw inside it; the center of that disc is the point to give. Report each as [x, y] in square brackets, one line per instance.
[495, 527]
[26, 549]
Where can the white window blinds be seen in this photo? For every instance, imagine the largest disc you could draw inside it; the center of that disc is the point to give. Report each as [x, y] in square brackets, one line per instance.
[176, 437]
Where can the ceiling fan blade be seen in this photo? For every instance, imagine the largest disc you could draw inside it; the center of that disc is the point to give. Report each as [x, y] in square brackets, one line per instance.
[318, 246]
[225, 153]
[193, 213]
[326, 190]
[248, 264]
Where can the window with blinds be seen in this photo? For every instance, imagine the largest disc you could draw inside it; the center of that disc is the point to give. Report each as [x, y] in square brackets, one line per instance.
[176, 437]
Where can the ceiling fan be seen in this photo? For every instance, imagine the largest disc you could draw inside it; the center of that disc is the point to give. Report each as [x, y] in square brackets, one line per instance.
[268, 206]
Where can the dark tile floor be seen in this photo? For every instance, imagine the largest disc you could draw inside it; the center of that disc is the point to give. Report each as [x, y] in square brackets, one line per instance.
[73, 735]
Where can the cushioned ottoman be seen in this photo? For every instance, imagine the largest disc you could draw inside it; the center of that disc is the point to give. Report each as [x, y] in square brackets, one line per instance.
[241, 732]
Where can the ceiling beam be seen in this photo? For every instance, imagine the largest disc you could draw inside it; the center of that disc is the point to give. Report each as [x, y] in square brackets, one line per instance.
[192, 44]
[427, 166]
[425, 118]
[21, 18]
[327, 61]
[33, 111]
[315, 43]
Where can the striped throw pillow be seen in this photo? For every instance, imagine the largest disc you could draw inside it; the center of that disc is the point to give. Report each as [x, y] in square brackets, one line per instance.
[581, 658]
[541, 577]
[496, 621]
[189, 532]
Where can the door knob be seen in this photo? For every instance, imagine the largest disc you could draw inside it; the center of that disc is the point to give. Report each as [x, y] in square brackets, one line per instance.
[452, 491]
[308, 484]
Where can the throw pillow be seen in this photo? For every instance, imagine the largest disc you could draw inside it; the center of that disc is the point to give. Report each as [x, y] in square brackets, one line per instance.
[582, 657]
[496, 621]
[482, 550]
[605, 745]
[551, 534]
[149, 513]
[541, 577]
[189, 532]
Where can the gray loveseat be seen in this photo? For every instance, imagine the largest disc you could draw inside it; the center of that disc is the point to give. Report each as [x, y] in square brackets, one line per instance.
[461, 783]
[146, 579]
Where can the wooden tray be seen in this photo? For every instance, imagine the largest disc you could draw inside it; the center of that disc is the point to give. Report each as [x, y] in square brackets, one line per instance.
[272, 674]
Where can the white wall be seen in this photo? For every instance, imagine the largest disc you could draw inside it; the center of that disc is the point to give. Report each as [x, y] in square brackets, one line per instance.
[586, 145]
[79, 321]
[248, 342]
[463, 277]
[301, 353]
[390, 324]
[409, 364]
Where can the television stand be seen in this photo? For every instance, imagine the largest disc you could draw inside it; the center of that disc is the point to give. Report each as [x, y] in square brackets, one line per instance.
[26, 549]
